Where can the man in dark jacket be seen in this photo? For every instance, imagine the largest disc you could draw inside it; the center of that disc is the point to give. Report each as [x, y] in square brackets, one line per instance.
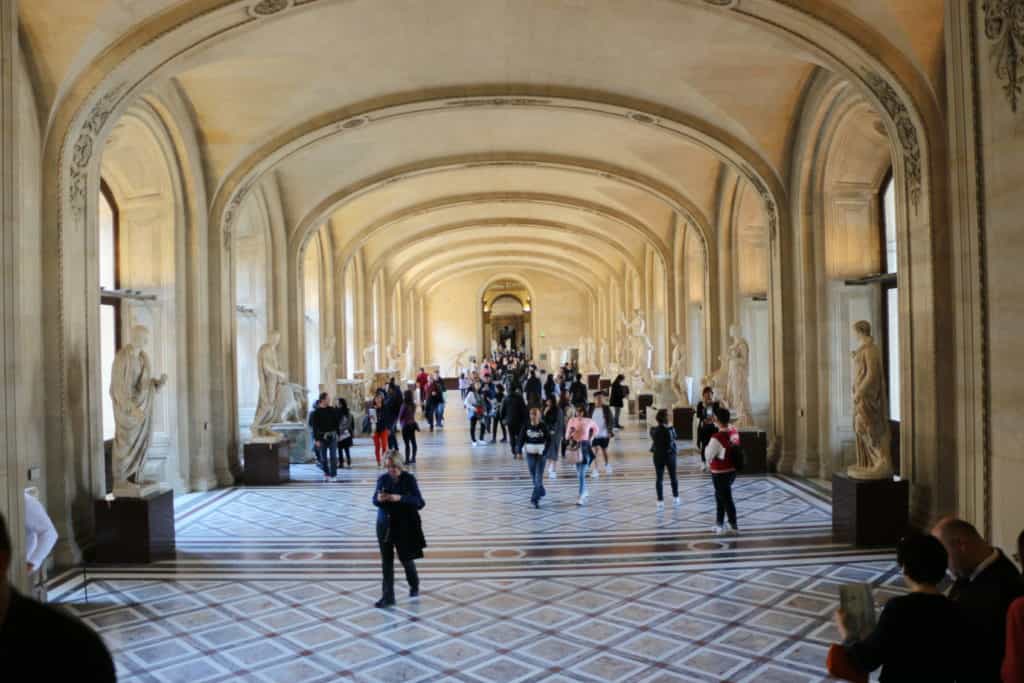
[516, 417]
[986, 583]
[533, 389]
[577, 391]
[392, 404]
[324, 423]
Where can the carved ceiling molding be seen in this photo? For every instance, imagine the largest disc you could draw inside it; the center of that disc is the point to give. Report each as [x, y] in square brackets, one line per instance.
[265, 8]
[1004, 25]
[86, 145]
[906, 133]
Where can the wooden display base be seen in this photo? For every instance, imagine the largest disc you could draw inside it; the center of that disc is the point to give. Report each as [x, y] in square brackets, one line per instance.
[755, 450]
[869, 512]
[644, 401]
[266, 463]
[682, 421]
[605, 385]
[135, 530]
[593, 382]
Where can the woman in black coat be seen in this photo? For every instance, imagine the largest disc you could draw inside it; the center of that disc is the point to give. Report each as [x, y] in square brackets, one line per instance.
[399, 528]
[619, 392]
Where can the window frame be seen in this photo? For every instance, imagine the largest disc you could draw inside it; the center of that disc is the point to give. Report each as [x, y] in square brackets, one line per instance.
[887, 284]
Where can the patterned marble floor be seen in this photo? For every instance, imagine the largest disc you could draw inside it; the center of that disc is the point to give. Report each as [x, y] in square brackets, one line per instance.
[277, 583]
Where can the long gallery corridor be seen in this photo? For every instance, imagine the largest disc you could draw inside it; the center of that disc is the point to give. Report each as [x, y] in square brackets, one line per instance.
[281, 580]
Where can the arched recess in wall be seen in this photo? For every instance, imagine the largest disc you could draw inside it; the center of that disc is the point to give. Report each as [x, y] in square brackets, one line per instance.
[142, 267]
[749, 235]
[840, 186]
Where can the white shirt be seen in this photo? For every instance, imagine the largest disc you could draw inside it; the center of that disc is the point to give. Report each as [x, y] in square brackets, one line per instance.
[598, 418]
[40, 534]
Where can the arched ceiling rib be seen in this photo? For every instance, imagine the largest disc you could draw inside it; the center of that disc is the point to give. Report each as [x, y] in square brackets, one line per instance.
[548, 265]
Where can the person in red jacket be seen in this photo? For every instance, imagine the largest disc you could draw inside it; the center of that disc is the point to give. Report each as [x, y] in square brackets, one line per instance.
[1013, 660]
[718, 454]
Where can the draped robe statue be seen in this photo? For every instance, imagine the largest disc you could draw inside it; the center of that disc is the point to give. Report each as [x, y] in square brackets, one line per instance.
[678, 371]
[410, 361]
[738, 378]
[640, 346]
[133, 392]
[870, 414]
[271, 380]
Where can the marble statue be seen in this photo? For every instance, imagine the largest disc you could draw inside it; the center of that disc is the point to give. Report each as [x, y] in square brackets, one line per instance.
[640, 346]
[327, 364]
[133, 393]
[718, 380]
[738, 378]
[271, 380]
[508, 344]
[410, 361]
[494, 347]
[602, 357]
[292, 403]
[369, 367]
[677, 370]
[392, 360]
[459, 361]
[870, 413]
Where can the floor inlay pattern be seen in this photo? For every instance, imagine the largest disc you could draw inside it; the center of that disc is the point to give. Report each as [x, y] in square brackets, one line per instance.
[277, 583]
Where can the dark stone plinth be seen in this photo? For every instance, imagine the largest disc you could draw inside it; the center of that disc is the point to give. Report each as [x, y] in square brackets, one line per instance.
[593, 382]
[266, 463]
[682, 420]
[631, 406]
[869, 512]
[755, 451]
[643, 402]
[135, 530]
[451, 383]
[605, 385]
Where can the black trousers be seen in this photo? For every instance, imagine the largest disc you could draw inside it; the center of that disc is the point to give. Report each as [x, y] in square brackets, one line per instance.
[659, 470]
[723, 498]
[494, 432]
[387, 558]
[473, 422]
[409, 437]
[704, 432]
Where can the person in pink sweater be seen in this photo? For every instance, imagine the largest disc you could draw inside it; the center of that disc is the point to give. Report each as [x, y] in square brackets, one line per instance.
[579, 431]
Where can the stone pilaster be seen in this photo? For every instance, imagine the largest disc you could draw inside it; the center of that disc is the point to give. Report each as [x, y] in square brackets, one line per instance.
[11, 476]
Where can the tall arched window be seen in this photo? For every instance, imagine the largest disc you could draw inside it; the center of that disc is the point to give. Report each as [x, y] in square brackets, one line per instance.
[890, 294]
[110, 306]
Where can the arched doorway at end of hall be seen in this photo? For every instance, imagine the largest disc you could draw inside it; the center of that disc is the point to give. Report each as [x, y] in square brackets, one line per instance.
[506, 319]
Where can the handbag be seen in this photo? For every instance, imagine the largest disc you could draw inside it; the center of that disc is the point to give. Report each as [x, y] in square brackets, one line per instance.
[345, 434]
[574, 452]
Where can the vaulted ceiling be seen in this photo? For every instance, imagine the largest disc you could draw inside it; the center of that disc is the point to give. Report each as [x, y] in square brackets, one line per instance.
[421, 130]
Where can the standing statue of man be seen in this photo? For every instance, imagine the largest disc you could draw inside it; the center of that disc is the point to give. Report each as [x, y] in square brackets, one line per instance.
[639, 343]
[133, 392]
[870, 414]
[270, 378]
[738, 378]
[410, 360]
[328, 365]
[678, 371]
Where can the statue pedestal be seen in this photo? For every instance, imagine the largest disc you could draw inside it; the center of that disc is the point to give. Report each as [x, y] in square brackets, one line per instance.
[299, 440]
[869, 512]
[631, 406]
[643, 402]
[682, 421]
[593, 381]
[605, 385]
[135, 530]
[755, 449]
[266, 462]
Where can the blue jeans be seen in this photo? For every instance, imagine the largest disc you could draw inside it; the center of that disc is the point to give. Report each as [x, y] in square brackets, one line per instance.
[581, 467]
[536, 464]
[439, 418]
[327, 454]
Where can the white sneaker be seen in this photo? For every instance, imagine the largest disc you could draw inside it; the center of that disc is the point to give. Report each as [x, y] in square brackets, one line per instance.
[481, 443]
[717, 529]
[474, 444]
[608, 468]
[579, 501]
[595, 473]
[703, 467]
[731, 531]
[661, 506]
[552, 474]
[676, 502]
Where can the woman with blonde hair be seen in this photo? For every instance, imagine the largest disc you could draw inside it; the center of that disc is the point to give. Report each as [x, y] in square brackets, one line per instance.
[399, 529]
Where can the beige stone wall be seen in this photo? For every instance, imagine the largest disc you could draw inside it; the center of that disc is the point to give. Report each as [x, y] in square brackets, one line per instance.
[561, 313]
